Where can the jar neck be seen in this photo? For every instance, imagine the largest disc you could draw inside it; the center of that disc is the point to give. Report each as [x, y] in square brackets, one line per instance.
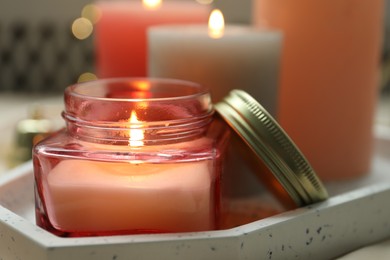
[125, 112]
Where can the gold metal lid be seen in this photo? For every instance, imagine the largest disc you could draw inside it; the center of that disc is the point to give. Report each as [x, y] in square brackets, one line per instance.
[286, 170]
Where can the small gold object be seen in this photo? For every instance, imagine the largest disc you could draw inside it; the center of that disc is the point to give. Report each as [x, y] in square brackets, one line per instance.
[27, 133]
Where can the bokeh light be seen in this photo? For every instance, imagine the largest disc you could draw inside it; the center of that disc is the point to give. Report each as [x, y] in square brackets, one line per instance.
[204, 2]
[82, 28]
[87, 76]
[92, 13]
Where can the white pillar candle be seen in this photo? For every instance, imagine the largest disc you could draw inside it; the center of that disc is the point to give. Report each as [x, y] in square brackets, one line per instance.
[243, 58]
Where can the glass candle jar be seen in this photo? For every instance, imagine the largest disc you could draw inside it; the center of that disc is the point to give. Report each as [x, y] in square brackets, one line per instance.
[137, 156]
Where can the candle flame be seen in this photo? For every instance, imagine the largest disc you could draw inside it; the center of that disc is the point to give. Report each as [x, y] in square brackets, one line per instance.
[216, 24]
[142, 85]
[135, 135]
[152, 4]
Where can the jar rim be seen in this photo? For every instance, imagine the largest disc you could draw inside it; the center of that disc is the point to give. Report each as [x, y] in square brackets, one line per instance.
[83, 90]
[164, 109]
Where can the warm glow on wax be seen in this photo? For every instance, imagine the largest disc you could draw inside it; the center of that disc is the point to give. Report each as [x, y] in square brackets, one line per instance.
[136, 136]
[152, 4]
[216, 24]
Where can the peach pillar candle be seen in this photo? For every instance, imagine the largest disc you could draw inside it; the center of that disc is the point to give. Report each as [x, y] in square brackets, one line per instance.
[329, 78]
[120, 33]
[174, 197]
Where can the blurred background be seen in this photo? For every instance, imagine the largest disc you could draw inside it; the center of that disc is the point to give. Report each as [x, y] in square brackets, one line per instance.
[46, 45]
[39, 52]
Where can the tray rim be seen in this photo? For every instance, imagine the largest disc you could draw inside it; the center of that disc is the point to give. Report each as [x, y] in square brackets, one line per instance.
[49, 240]
[262, 232]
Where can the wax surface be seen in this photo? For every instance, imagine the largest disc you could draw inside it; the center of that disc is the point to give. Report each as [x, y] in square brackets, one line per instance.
[243, 58]
[329, 78]
[101, 196]
[121, 33]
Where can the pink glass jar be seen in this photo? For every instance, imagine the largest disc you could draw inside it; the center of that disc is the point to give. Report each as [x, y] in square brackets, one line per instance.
[137, 156]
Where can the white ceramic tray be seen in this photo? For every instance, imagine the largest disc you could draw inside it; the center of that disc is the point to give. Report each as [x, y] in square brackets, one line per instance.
[357, 214]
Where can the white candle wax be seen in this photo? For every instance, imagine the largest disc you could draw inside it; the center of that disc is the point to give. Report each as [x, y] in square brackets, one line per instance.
[99, 196]
[243, 58]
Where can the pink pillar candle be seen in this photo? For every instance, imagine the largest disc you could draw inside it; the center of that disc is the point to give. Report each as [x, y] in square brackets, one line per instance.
[329, 78]
[121, 33]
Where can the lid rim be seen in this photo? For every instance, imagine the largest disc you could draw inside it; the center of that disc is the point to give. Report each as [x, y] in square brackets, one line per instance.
[270, 143]
[260, 153]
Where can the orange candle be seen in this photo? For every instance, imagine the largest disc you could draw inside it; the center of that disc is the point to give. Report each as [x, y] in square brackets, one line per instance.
[329, 78]
[121, 32]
